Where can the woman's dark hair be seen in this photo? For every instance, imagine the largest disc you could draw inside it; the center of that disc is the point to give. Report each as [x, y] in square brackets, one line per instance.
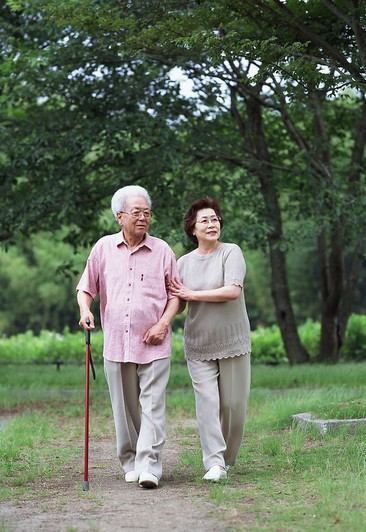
[190, 216]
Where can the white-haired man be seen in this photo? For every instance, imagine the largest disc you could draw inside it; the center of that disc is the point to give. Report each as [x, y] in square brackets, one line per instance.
[131, 270]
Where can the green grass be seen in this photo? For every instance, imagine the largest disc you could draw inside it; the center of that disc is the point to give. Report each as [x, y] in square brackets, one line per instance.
[350, 408]
[286, 478]
[27, 452]
[31, 384]
[309, 376]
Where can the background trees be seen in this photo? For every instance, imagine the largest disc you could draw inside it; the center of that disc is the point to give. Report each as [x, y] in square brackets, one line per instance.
[37, 293]
[274, 126]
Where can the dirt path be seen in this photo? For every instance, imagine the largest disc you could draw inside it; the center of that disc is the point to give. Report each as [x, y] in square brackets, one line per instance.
[111, 504]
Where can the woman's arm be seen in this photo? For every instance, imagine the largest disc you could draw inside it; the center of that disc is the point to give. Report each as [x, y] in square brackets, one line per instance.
[216, 295]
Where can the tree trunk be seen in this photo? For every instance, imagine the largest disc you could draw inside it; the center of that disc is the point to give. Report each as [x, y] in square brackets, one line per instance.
[295, 351]
[332, 276]
[349, 294]
[356, 265]
[338, 293]
[330, 341]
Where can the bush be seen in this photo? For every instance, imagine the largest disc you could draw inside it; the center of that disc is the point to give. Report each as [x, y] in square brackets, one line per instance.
[267, 346]
[309, 333]
[354, 347]
[178, 346]
[49, 347]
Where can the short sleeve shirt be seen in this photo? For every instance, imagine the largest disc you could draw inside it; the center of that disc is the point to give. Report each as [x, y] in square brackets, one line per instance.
[132, 286]
[215, 330]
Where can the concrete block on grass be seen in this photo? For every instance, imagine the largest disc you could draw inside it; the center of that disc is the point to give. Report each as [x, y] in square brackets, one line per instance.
[306, 420]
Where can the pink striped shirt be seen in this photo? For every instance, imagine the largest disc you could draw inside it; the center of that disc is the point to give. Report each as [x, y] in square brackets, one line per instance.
[133, 294]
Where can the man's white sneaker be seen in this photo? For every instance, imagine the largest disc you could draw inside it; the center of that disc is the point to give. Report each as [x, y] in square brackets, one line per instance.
[131, 476]
[148, 480]
[215, 474]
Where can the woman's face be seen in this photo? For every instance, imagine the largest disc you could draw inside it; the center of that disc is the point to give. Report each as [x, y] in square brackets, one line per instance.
[207, 227]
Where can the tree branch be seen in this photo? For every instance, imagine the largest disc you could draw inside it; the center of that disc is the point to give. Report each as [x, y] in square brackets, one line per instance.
[352, 21]
[322, 43]
[359, 146]
[296, 134]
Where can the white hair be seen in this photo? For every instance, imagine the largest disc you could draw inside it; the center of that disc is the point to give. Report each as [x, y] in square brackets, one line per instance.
[120, 196]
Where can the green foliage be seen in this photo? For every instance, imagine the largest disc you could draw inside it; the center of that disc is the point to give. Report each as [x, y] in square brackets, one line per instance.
[177, 346]
[72, 137]
[257, 288]
[310, 337]
[267, 346]
[49, 347]
[354, 347]
[88, 104]
[39, 277]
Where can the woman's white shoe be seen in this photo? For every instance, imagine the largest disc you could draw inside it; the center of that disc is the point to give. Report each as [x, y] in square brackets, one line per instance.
[215, 474]
[131, 476]
[148, 480]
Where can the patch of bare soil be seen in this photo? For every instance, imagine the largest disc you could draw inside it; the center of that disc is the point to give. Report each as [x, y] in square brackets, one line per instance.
[60, 505]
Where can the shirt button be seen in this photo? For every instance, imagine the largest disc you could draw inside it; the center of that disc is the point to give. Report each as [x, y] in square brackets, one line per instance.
[129, 284]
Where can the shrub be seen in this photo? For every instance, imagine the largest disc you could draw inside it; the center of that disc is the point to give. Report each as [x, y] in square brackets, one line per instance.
[267, 346]
[354, 347]
[309, 333]
[178, 346]
[49, 347]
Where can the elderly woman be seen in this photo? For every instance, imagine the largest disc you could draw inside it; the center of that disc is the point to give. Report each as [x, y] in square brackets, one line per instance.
[216, 335]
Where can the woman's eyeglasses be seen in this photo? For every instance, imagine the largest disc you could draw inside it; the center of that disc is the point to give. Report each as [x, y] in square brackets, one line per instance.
[210, 220]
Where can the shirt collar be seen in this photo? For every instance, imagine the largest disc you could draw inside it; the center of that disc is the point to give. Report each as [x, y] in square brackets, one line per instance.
[148, 241]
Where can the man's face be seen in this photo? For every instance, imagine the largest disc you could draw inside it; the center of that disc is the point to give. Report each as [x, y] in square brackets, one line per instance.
[134, 227]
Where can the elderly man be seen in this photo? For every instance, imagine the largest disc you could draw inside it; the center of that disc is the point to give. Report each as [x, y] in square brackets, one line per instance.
[131, 271]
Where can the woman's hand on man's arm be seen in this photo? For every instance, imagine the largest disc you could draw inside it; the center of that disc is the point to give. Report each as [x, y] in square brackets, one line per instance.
[217, 295]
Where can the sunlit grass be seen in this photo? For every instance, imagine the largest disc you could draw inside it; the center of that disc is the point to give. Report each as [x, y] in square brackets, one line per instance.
[27, 453]
[348, 375]
[348, 408]
[286, 478]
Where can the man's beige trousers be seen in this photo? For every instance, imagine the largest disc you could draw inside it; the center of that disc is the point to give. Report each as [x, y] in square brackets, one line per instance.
[137, 393]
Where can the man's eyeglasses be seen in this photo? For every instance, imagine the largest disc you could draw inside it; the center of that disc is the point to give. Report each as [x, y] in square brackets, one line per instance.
[136, 214]
[210, 220]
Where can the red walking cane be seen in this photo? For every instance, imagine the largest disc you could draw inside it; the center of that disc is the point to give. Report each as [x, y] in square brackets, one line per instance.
[88, 363]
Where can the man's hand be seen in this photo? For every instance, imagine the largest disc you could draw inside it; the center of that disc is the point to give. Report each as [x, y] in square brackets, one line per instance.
[86, 321]
[84, 301]
[156, 334]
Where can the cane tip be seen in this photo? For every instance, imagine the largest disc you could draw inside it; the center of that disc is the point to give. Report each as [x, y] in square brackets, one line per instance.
[85, 485]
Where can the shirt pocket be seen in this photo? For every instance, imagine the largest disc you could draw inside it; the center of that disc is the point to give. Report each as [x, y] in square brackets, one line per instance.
[152, 286]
